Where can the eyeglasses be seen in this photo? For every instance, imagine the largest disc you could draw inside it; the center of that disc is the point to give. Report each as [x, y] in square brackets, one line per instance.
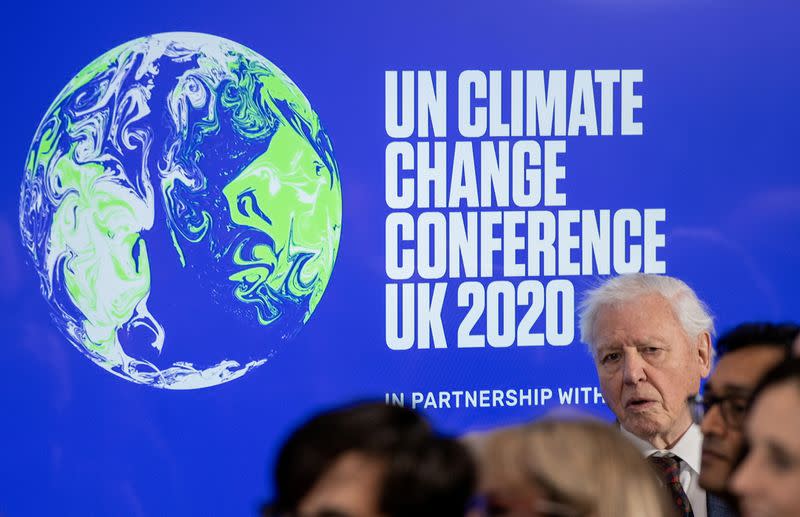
[732, 408]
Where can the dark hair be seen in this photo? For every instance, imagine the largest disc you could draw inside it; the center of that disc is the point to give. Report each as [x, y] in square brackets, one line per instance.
[758, 334]
[425, 475]
[787, 371]
[435, 478]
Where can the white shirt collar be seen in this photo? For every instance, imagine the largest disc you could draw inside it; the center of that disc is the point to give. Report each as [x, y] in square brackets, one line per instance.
[689, 447]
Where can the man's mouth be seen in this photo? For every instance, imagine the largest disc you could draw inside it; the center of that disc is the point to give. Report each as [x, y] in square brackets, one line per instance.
[639, 404]
[712, 454]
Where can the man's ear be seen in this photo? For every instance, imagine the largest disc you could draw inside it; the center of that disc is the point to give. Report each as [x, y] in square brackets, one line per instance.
[704, 353]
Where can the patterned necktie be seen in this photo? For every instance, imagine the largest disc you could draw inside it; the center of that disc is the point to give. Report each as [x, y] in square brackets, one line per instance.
[668, 467]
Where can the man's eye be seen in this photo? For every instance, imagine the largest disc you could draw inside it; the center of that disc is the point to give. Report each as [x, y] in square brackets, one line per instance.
[651, 349]
[610, 358]
[738, 407]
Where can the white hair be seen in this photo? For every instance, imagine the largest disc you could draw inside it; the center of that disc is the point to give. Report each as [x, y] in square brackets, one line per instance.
[691, 312]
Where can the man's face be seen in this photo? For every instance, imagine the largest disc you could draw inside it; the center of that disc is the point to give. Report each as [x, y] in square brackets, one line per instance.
[349, 488]
[733, 379]
[648, 367]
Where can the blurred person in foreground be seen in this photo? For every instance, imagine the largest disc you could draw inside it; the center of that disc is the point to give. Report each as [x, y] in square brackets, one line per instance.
[567, 468]
[767, 481]
[744, 355]
[650, 337]
[371, 460]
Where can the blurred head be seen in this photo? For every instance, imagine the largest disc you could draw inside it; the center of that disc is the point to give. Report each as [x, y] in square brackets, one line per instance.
[746, 353]
[371, 460]
[567, 468]
[650, 337]
[767, 481]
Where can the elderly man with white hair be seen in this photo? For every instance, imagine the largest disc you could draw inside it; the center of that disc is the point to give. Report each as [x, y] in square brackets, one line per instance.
[650, 337]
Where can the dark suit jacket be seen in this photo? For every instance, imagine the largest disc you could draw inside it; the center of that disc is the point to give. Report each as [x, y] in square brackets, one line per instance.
[717, 507]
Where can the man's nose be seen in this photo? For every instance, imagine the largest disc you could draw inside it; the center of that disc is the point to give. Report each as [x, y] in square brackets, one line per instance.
[713, 423]
[633, 368]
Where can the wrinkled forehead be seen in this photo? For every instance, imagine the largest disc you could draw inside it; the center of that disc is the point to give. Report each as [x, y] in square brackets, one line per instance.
[641, 317]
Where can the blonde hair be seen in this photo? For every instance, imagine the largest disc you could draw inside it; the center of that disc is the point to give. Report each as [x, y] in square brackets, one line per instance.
[584, 466]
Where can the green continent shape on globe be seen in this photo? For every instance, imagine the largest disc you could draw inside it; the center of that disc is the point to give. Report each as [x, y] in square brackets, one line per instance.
[292, 185]
[106, 271]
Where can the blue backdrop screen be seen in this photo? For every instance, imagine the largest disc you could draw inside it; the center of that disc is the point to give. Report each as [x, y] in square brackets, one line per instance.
[216, 220]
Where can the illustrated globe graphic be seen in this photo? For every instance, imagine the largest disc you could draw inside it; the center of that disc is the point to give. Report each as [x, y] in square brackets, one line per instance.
[182, 207]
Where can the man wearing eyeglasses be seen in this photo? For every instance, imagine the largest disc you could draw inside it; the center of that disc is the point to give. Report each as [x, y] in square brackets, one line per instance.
[746, 353]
